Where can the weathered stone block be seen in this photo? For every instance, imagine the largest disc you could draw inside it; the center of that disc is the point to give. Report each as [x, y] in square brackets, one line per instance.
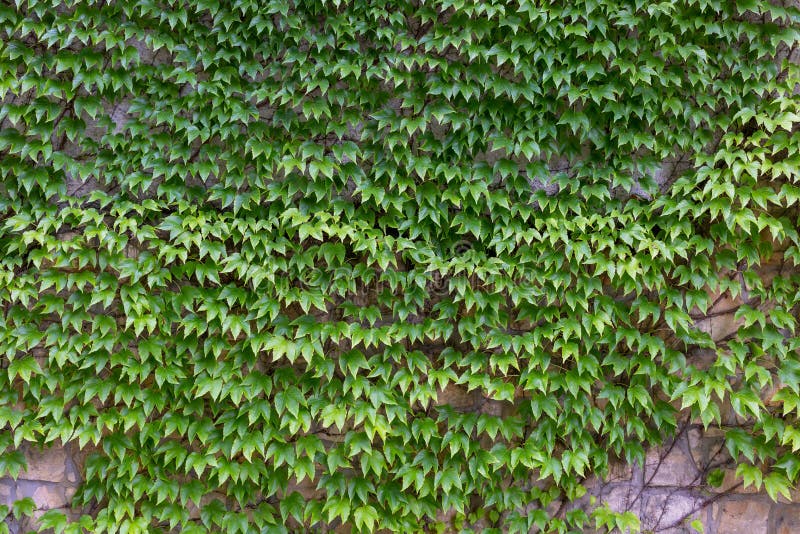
[6, 491]
[677, 468]
[719, 326]
[619, 472]
[619, 499]
[49, 465]
[457, 397]
[787, 519]
[707, 446]
[48, 497]
[72, 473]
[742, 516]
[668, 509]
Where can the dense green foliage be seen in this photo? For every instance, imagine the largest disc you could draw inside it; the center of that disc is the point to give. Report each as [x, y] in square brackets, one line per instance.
[246, 245]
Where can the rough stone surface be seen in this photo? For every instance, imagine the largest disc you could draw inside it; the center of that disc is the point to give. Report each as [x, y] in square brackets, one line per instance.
[719, 321]
[667, 493]
[49, 497]
[786, 519]
[457, 397]
[619, 472]
[676, 468]
[742, 516]
[670, 510]
[620, 498]
[6, 491]
[48, 465]
[718, 326]
[72, 474]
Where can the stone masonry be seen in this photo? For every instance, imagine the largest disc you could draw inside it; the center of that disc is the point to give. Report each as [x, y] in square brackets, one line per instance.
[668, 493]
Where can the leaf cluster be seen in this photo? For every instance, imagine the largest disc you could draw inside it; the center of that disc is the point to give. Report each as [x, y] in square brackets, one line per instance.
[393, 265]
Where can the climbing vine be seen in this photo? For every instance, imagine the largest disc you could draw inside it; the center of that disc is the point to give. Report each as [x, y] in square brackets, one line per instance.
[256, 253]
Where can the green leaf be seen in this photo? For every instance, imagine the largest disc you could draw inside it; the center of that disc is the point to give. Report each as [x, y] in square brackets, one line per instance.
[23, 508]
[715, 478]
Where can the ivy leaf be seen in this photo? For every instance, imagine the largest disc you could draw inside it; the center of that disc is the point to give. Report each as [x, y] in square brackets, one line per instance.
[23, 508]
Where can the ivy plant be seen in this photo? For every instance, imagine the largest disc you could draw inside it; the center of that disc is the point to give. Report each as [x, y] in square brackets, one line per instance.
[393, 265]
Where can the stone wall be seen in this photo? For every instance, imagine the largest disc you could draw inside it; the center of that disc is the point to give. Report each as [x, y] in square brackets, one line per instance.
[52, 477]
[667, 493]
[671, 491]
